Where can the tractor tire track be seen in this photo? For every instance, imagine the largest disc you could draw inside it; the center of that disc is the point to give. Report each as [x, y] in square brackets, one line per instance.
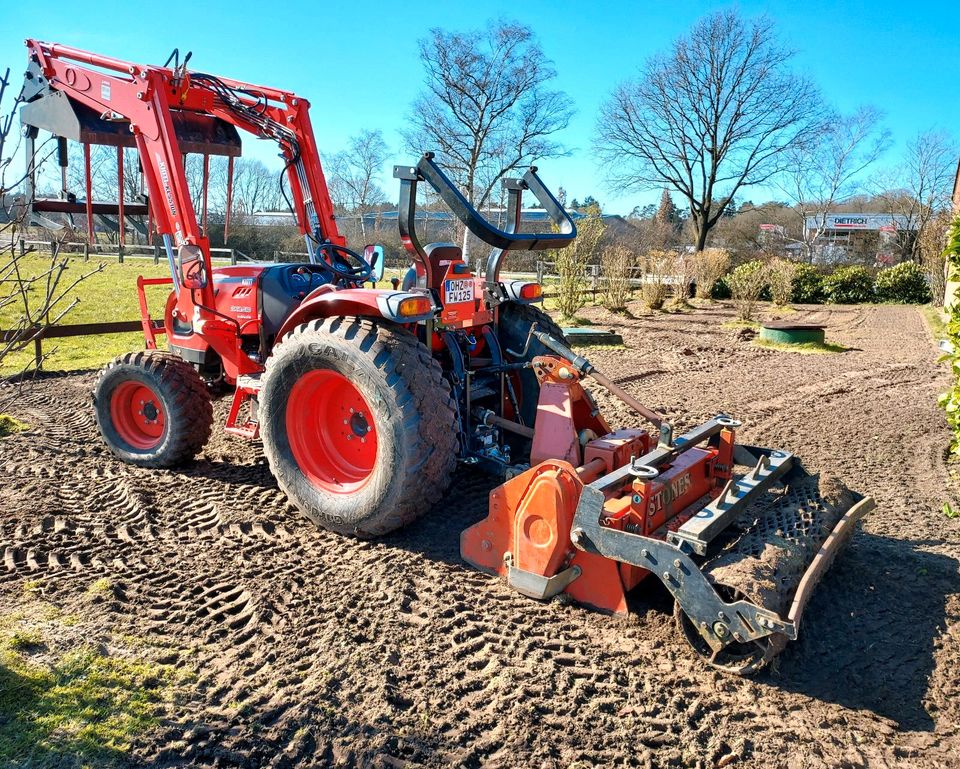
[312, 649]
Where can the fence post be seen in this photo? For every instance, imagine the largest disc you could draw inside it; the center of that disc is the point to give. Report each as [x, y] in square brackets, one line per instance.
[120, 253]
[23, 247]
[38, 351]
[156, 254]
[233, 256]
[53, 248]
[539, 270]
[86, 252]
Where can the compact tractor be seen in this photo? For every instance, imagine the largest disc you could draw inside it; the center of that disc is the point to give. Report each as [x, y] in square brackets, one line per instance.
[365, 399]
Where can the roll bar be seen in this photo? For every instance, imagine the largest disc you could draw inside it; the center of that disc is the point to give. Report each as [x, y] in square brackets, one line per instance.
[509, 239]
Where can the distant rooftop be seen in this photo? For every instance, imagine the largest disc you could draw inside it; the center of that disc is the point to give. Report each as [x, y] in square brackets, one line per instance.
[282, 218]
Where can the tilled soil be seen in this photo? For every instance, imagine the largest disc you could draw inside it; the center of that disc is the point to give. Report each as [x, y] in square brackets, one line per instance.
[317, 650]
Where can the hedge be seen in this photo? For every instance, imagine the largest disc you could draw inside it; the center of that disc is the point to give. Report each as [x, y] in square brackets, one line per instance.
[904, 284]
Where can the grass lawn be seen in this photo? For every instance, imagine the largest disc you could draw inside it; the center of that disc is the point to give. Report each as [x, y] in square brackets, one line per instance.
[71, 703]
[804, 348]
[935, 321]
[110, 295]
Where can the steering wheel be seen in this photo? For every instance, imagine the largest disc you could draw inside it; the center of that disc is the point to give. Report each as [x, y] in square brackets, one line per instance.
[337, 259]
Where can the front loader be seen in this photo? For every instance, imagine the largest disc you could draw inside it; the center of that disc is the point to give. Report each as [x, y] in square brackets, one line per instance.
[366, 399]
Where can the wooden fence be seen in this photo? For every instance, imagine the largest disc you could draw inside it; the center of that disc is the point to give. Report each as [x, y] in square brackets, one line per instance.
[120, 251]
[38, 333]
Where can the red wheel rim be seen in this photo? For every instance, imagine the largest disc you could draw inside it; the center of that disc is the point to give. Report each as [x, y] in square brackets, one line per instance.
[138, 415]
[331, 431]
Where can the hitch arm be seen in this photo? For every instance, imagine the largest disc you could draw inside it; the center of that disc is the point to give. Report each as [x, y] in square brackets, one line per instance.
[586, 368]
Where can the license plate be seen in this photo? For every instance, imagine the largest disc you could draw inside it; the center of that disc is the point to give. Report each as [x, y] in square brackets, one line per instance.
[456, 291]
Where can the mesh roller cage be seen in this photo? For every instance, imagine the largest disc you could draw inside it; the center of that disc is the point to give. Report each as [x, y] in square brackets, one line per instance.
[768, 561]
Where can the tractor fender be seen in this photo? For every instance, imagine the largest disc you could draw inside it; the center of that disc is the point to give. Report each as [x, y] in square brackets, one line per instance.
[328, 302]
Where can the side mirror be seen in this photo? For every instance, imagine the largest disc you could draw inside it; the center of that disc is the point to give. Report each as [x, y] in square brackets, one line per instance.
[373, 255]
[193, 274]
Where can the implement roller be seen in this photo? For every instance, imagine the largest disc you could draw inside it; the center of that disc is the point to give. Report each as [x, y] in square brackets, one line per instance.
[598, 511]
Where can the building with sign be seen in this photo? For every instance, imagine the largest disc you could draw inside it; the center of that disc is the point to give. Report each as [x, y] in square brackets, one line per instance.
[844, 235]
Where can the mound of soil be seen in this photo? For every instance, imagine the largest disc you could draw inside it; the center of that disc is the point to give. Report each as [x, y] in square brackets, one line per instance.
[317, 650]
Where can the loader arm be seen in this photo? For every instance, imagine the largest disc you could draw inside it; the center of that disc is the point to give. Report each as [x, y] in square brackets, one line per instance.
[146, 97]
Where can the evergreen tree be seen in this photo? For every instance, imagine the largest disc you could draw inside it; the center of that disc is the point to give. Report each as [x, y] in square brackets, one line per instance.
[667, 213]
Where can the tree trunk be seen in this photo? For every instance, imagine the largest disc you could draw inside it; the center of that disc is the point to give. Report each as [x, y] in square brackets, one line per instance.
[702, 232]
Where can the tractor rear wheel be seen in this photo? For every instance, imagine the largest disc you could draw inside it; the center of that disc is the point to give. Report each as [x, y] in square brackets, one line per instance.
[358, 425]
[515, 323]
[152, 409]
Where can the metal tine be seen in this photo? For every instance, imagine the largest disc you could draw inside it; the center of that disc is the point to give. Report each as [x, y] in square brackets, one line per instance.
[729, 496]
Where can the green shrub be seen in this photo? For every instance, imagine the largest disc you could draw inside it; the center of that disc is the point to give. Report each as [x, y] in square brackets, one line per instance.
[720, 289]
[904, 284]
[950, 400]
[807, 285]
[849, 285]
[780, 274]
[747, 282]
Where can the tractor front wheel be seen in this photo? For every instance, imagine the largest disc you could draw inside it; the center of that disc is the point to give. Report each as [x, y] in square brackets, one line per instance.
[358, 425]
[152, 409]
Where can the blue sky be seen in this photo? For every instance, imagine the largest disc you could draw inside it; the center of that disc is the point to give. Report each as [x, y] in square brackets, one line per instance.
[357, 61]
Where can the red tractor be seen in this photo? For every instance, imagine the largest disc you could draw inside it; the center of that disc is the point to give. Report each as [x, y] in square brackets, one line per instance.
[364, 398]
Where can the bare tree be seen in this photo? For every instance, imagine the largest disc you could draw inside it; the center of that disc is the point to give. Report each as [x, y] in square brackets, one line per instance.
[486, 108]
[255, 187]
[34, 298]
[714, 114]
[353, 182]
[827, 168]
[921, 186]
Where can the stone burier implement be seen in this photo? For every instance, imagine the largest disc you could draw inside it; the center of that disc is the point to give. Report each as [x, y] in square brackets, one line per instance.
[599, 511]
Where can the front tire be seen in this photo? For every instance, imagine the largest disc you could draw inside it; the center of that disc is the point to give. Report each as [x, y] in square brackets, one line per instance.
[152, 409]
[358, 425]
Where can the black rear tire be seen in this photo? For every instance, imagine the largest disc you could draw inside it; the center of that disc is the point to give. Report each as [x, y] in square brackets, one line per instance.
[409, 406]
[175, 397]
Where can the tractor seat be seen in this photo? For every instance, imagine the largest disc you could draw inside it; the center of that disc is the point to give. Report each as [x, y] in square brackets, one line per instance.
[440, 255]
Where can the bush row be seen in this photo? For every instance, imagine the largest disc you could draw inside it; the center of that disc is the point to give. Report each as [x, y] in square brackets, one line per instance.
[901, 284]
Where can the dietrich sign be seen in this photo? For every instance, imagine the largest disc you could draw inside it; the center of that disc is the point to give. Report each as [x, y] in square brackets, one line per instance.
[846, 222]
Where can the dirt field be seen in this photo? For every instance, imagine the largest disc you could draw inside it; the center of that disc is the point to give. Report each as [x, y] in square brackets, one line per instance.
[314, 650]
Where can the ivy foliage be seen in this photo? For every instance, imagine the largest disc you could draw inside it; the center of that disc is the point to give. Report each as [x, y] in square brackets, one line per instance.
[950, 400]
